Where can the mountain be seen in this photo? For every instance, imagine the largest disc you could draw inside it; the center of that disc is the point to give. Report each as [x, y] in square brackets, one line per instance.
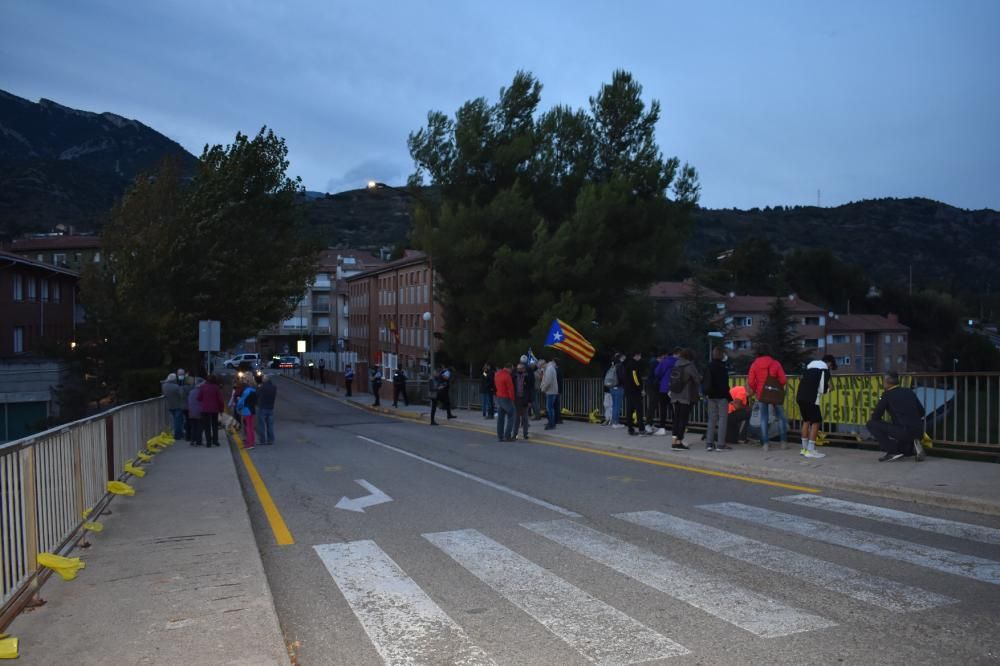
[65, 166]
[945, 246]
[365, 219]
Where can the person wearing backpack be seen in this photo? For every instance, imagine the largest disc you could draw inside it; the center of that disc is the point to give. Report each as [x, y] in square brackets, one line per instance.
[767, 382]
[246, 407]
[717, 394]
[664, 369]
[684, 392]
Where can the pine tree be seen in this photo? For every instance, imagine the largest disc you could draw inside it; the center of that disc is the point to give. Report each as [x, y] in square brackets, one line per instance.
[779, 336]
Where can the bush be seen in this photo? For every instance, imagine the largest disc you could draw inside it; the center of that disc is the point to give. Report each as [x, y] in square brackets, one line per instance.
[140, 384]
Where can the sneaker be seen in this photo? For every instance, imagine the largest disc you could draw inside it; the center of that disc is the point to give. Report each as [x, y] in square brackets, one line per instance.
[617, 426]
[710, 448]
[814, 454]
[803, 452]
[884, 458]
[680, 447]
[724, 447]
[919, 450]
[649, 430]
[632, 432]
[661, 432]
[894, 457]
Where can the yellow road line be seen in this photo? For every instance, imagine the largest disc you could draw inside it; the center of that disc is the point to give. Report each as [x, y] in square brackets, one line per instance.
[611, 454]
[282, 536]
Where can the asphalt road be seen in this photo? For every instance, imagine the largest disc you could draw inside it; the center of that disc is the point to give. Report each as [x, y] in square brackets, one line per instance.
[523, 553]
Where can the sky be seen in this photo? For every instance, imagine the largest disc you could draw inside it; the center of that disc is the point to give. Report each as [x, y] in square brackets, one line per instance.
[772, 101]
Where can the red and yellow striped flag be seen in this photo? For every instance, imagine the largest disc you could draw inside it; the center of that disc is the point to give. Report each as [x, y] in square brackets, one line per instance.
[567, 339]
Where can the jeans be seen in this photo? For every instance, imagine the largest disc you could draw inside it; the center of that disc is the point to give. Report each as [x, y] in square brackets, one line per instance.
[210, 424]
[617, 395]
[177, 415]
[505, 418]
[551, 400]
[558, 409]
[718, 421]
[265, 423]
[487, 403]
[765, 418]
[521, 417]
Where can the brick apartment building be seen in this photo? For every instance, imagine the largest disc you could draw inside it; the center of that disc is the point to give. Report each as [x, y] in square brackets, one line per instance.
[861, 343]
[386, 317]
[38, 313]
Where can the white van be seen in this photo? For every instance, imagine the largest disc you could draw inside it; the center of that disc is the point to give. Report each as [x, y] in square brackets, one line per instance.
[250, 360]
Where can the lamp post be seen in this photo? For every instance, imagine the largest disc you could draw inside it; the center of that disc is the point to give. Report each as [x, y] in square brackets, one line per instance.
[430, 341]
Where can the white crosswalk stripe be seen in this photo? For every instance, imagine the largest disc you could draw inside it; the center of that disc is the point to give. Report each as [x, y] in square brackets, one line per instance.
[727, 601]
[599, 632]
[927, 523]
[870, 589]
[403, 623]
[945, 561]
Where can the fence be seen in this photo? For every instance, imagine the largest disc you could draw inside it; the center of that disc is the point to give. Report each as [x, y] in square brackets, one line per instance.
[962, 409]
[48, 480]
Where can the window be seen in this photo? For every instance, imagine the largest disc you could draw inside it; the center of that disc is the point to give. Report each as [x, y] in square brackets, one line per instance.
[45, 290]
[59, 259]
[888, 340]
[843, 361]
[742, 322]
[900, 339]
[857, 339]
[741, 344]
[56, 295]
[810, 321]
[18, 287]
[32, 289]
[887, 362]
[840, 339]
[40, 258]
[900, 361]
[97, 257]
[811, 343]
[18, 339]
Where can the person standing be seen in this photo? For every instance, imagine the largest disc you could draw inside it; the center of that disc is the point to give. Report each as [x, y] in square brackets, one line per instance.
[322, 372]
[814, 384]
[524, 390]
[186, 386]
[767, 382]
[538, 368]
[174, 397]
[194, 412]
[717, 393]
[618, 392]
[550, 387]
[684, 382]
[633, 395]
[441, 393]
[211, 403]
[348, 378]
[901, 437]
[377, 386]
[505, 403]
[399, 387]
[559, 385]
[651, 391]
[486, 390]
[246, 407]
[266, 395]
[663, 371]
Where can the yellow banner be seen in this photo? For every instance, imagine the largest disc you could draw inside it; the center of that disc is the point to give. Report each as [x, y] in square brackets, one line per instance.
[851, 399]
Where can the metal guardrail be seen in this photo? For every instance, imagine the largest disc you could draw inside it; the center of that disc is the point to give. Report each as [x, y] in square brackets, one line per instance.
[962, 409]
[49, 479]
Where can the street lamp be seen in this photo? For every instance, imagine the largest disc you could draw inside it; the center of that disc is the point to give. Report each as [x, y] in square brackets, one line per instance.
[430, 341]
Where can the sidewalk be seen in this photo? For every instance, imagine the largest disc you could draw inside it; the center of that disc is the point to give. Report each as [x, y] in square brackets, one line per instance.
[945, 482]
[174, 578]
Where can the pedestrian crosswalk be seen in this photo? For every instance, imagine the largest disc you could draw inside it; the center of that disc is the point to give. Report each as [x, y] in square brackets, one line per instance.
[405, 625]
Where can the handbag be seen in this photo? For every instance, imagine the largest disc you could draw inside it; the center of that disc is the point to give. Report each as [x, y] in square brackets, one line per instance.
[755, 415]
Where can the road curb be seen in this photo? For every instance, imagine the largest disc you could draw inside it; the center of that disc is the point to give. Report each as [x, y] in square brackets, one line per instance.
[387, 411]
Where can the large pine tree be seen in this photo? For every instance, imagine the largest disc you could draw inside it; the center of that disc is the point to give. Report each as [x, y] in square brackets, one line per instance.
[778, 335]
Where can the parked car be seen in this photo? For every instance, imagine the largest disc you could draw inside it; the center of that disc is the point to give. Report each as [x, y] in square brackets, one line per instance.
[245, 361]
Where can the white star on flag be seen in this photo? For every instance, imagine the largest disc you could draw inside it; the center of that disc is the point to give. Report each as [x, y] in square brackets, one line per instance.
[557, 336]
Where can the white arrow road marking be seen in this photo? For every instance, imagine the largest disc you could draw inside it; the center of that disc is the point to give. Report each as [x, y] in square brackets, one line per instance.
[477, 479]
[359, 504]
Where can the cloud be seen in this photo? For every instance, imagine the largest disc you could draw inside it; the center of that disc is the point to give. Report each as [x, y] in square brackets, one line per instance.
[385, 171]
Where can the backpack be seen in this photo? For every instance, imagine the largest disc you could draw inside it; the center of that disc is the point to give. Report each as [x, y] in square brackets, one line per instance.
[677, 378]
[611, 377]
[772, 392]
[251, 402]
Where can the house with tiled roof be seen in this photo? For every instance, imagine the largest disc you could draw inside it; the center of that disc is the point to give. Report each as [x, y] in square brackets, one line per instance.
[868, 343]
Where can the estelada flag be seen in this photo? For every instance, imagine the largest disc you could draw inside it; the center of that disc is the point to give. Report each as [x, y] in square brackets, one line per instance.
[567, 339]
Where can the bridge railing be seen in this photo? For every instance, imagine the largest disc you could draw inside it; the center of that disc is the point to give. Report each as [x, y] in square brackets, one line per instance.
[962, 409]
[48, 480]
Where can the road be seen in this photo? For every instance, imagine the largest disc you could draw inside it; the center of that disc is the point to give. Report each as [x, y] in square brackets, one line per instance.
[473, 551]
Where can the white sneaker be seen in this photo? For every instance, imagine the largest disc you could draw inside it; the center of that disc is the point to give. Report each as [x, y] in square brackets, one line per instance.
[661, 432]
[803, 452]
[918, 449]
[649, 429]
[617, 426]
[814, 454]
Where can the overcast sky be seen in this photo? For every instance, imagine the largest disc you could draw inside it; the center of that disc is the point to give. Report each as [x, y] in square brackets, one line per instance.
[770, 101]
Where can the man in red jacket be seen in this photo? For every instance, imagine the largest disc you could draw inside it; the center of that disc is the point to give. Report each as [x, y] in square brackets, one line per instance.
[770, 393]
[504, 383]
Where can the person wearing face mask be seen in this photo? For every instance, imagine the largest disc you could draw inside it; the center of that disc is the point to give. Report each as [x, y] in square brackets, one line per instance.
[186, 387]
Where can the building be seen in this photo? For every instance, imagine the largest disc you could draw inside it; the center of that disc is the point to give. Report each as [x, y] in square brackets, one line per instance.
[387, 322]
[38, 316]
[868, 343]
[746, 315]
[321, 315]
[66, 251]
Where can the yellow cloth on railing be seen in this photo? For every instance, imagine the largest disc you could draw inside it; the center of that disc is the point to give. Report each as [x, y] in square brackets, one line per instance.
[927, 442]
[93, 527]
[120, 488]
[144, 457]
[66, 567]
[133, 470]
[8, 647]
